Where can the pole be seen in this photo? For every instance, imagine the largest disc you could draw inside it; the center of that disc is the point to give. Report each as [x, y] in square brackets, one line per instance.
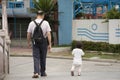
[15, 26]
[109, 5]
[6, 39]
[4, 17]
[4, 27]
[20, 36]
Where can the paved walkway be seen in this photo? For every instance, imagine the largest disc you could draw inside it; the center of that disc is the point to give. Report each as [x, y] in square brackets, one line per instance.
[21, 68]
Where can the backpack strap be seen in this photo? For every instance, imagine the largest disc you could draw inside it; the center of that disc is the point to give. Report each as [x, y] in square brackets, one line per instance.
[39, 26]
[40, 23]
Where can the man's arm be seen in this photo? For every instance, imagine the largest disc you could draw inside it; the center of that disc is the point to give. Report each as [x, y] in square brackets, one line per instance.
[49, 40]
[29, 39]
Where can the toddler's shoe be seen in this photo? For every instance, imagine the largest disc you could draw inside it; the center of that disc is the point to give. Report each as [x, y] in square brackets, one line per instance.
[72, 73]
[79, 74]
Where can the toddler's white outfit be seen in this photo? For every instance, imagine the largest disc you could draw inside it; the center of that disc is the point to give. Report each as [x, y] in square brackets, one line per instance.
[77, 60]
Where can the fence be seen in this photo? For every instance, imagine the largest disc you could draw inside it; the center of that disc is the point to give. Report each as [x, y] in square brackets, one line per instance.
[96, 30]
[18, 34]
[17, 30]
[4, 55]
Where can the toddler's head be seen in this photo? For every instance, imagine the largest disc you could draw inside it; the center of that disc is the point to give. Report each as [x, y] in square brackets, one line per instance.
[79, 45]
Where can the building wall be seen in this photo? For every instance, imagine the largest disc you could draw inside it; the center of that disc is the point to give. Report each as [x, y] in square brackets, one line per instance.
[27, 3]
[19, 8]
[18, 17]
[96, 30]
[114, 31]
[65, 20]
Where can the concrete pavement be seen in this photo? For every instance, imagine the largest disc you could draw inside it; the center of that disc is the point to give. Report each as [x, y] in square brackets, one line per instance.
[21, 68]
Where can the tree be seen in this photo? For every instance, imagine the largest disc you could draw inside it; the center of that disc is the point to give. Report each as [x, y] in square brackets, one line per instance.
[49, 7]
[79, 15]
[44, 5]
[112, 14]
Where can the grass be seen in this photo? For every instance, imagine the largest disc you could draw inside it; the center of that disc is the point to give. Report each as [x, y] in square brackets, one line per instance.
[110, 56]
[103, 56]
[62, 46]
[115, 56]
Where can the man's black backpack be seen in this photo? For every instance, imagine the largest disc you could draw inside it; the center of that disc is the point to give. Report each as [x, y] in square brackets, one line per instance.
[38, 37]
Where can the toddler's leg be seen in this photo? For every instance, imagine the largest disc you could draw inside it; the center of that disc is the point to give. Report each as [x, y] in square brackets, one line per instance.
[79, 70]
[72, 70]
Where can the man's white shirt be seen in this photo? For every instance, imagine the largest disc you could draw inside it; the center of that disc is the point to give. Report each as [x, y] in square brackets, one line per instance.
[44, 26]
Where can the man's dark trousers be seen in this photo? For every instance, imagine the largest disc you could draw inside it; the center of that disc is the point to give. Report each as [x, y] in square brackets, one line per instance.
[39, 57]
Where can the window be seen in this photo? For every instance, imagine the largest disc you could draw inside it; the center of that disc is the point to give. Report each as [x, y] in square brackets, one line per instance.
[31, 4]
[18, 5]
[15, 4]
[19, 0]
[15, 0]
[11, 0]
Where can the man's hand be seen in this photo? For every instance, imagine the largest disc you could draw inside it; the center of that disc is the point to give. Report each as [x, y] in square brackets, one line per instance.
[49, 41]
[49, 48]
[29, 45]
[29, 39]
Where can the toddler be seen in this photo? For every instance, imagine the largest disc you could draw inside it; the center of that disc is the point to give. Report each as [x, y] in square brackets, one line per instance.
[77, 59]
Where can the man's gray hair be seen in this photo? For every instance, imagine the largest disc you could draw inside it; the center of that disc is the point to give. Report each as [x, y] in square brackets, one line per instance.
[40, 12]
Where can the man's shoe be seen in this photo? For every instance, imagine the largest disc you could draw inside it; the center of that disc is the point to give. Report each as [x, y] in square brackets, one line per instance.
[43, 75]
[35, 76]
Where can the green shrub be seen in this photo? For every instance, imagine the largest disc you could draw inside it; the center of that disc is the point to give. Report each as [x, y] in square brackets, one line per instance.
[98, 46]
[73, 45]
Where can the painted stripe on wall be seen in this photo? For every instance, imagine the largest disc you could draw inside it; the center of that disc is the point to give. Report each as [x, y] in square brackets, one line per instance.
[92, 35]
[117, 32]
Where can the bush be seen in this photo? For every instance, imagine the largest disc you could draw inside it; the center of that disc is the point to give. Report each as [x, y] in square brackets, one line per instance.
[98, 46]
[73, 45]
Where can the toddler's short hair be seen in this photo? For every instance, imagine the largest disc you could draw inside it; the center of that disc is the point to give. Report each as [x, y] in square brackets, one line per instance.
[78, 44]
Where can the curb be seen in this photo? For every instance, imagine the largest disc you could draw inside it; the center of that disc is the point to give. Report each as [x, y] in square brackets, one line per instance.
[70, 58]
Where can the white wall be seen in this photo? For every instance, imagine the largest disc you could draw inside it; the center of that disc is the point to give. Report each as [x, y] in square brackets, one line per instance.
[96, 30]
[114, 31]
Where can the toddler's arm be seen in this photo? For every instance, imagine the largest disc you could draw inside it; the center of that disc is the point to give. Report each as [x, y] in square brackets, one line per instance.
[83, 53]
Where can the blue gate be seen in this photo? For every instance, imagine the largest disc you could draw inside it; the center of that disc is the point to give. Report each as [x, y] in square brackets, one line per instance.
[65, 19]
